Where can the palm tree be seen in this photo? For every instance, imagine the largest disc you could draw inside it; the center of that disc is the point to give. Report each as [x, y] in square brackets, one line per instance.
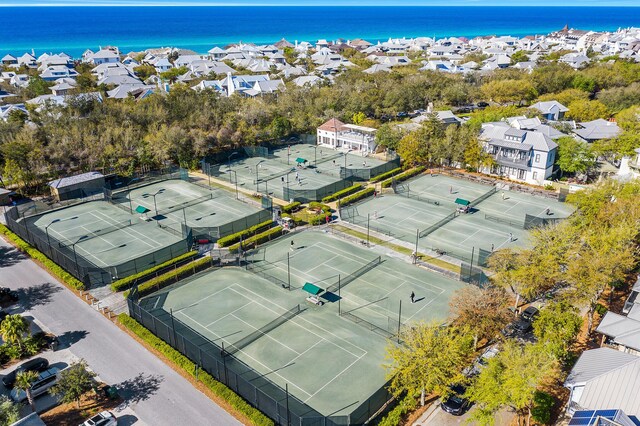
[24, 379]
[13, 328]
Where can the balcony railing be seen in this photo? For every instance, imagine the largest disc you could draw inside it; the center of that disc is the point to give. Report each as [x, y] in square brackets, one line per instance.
[512, 161]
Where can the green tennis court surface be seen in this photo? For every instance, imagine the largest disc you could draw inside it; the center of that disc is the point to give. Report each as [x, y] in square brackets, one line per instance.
[179, 202]
[330, 362]
[495, 222]
[103, 234]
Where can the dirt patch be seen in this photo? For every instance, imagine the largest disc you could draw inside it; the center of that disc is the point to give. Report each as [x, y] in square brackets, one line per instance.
[70, 414]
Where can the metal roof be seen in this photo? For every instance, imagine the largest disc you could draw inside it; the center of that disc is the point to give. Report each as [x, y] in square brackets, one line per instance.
[73, 180]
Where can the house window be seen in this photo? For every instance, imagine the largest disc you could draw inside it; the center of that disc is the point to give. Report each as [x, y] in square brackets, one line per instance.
[521, 174]
[535, 175]
[537, 158]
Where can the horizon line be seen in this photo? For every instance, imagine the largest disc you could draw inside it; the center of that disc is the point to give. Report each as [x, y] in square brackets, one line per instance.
[309, 5]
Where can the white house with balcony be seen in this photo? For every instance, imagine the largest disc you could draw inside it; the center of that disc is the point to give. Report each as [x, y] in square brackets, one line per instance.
[337, 135]
[521, 155]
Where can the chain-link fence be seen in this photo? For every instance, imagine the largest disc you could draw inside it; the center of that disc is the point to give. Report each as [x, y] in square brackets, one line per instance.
[83, 269]
[317, 194]
[256, 388]
[366, 173]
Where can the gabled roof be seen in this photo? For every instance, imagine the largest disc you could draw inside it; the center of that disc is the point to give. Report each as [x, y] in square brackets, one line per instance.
[332, 125]
[624, 330]
[610, 378]
[545, 107]
[598, 129]
[72, 180]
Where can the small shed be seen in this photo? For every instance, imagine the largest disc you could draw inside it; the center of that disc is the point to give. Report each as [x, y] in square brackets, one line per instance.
[77, 186]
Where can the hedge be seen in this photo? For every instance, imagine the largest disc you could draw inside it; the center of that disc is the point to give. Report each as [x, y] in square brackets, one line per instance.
[344, 192]
[53, 268]
[356, 197]
[170, 277]
[386, 175]
[258, 238]
[189, 367]
[404, 176]
[127, 282]
[234, 238]
[291, 207]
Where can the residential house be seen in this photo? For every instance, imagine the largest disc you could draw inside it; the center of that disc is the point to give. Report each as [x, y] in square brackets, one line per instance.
[550, 110]
[8, 60]
[575, 60]
[27, 60]
[7, 110]
[607, 379]
[102, 56]
[337, 135]
[307, 80]
[522, 155]
[54, 72]
[162, 64]
[630, 166]
[622, 332]
[596, 130]
[19, 80]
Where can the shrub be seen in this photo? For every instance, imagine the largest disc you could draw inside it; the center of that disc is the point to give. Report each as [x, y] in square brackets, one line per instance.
[316, 205]
[549, 187]
[395, 416]
[220, 390]
[291, 207]
[542, 405]
[356, 197]
[171, 277]
[234, 238]
[386, 175]
[601, 309]
[127, 282]
[404, 176]
[319, 219]
[53, 268]
[258, 239]
[342, 193]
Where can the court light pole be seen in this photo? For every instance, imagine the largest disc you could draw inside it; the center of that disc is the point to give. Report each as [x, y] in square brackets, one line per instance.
[46, 230]
[235, 175]
[315, 156]
[154, 195]
[257, 177]
[75, 255]
[229, 161]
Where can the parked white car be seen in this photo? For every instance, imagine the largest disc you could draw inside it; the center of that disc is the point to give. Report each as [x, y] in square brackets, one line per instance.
[45, 380]
[102, 419]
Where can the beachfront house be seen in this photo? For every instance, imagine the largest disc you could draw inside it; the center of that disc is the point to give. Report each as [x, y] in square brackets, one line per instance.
[521, 155]
[337, 135]
[550, 110]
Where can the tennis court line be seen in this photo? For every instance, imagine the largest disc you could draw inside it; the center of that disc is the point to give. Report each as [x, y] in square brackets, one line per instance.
[218, 337]
[311, 323]
[230, 313]
[335, 377]
[143, 238]
[200, 300]
[265, 334]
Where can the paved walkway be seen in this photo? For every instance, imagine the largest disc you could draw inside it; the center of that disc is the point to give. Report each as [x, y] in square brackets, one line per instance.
[151, 389]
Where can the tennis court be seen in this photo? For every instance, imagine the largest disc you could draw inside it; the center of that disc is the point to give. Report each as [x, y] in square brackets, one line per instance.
[331, 362]
[271, 176]
[105, 235]
[180, 202]
[396, 216]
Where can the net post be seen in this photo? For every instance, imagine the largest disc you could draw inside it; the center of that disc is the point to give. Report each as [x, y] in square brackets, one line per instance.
[368, 214]
[173, 327]
[339, 298]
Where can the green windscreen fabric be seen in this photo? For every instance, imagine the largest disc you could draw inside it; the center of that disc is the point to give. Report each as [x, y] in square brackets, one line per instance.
[141, 209]
[462, 202]
[300, 160]
[312, 288]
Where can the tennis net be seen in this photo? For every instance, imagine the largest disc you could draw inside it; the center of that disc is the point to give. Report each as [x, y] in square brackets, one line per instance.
[251, 267]
[438, 224]
[418, 197]
[91, 234]
[352, 277]
[252, 337]
[273, 176]
[186, 204]
[329, 158]
[483, 197]
[368, 325]
[504, 221]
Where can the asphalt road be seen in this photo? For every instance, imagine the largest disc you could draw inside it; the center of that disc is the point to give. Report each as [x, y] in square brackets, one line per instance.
[156, 394]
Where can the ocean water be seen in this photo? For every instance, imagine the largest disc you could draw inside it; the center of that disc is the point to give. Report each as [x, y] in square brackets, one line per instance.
[74, 29]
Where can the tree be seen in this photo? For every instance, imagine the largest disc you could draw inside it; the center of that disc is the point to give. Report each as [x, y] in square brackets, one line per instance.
[431, 359]
[565, 97]
[358, 117]
[557, 327]
[574, 156]
[74, 382]
[512, 379]
[9, 411]
[173, 73]
[587, 110]
[482, 310]
[519, 56]
[13, 328]
[37, 87]
[506, 91]
[280, 127]
[24, 379]
[388, 136]
[145, 71]
[584, 83]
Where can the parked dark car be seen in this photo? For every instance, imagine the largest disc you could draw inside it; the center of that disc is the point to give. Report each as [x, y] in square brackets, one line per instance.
[36, 364]
[530, 313]
[464, 110]
[8, 295]
[521, 326]
[482, 104]
[456, 403]
[402, 115]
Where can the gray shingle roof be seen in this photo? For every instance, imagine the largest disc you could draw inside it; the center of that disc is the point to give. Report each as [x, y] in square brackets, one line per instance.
[72, 180]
